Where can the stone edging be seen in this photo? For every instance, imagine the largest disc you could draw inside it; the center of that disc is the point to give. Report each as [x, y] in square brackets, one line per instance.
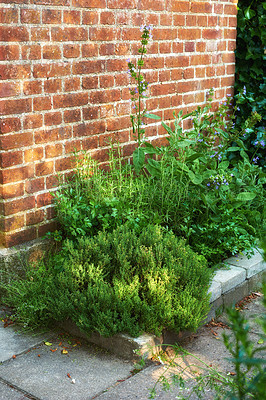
[230, 285]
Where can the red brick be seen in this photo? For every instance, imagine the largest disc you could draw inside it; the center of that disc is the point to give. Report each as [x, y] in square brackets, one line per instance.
[52, 118]
[12, 223]
[107, 49]
[44, 168]
[90, 113]
[178, 6]
[166, 19]
[9, 52]
[72, 84]
[48, 227]
[107, 111]
[72, 115]
[71, 50]
[107, 81]
[17, 140]
[165, 47]
[8, 15]
[230, 9]
[12, 191]
[105, 96]
[178, 61]
[33, 154]
[51, 52]
[228, 58]
[123, 108]
[72, 17]
[10, 125]
[40, 34]
[116, 65]
[11, 158]
[53, 150]
[190, 46]
[154, 62]
[122, 18]
[178, 20]
[201, 7]
[14, 71]
[153, 19]
[32, 121]
[18, 106]
[90, 17]
[42, 103]
[90, 4]
[15, 206]
[165, 34]
[44, 199]
[90, 143]
[87, 67]
[127, 4]
[188, 86]
[25, 235]
[211, 34]
[188, 73]
[189, 34]
[89, 50]
[31, 52]
[200, 59]
[200, 72]
[122, 49]
[230, 33]
[89, 128]
[51, 16]
[51, 70]
[15, 174]
[228, 81]
[163, 88]
[64, 164]
[69, 34]
[103, 33]
[34, 217]
[30, 16]
[232, 22]
[53, 2]
[115, 124]
[73, 146]
[70, 100]
[14, 34]
[130, 34]
[52, 86]
[34, 185]
[202, 21]
[9, 89]
[32, 87]
[50, 135]
[107, 18]
[51, 182]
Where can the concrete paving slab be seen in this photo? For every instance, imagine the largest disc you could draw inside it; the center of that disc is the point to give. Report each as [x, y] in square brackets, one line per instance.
[252, 265]
[13, 341]
[229, 278]
[43, 371]
[10, 393]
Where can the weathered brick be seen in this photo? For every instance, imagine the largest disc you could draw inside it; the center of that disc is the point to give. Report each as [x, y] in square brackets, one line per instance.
[105, 96]
[87, 67]
[11, 158]
[72, 84]
[24, 235]
[103, 33]
[90, 113]
[43, 199]
[31, 52]
[115, 124]
[34, 185]
[34, 217]
[14, 34]
[64, 164]
[71, 50]
[9, 52]
[10, 125]
[9, 89]
[12, 190]
[52, 118]
[89, 128]
[90, 17]
[53, 150]
[8, 15]
[17, 140]
[72, 17]
[51, 16]
[32, 121]
[18, 205]
[72, 115]
[12, 223]
[14, 71]
[44, 168]
[52, 52]
[201, 7]
[89, 50]
[70, 100]
[40, 34]
[69, 34]
[178, 6]
[51, 71]
[127, 4]
[32, 87]
[33, 154]
[18, 106]
[90, 4]
[52, 85]
[30, 16]
[42, 103]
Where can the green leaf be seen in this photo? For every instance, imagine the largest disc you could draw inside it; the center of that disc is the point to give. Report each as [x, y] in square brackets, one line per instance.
[152, 116]
[233, 148]
[167, 128]
[154, 168]
[249, 13]
[246, 196]
[223, 165]
[261, 341]
[149, 148]
[196, 179]
[138, 159]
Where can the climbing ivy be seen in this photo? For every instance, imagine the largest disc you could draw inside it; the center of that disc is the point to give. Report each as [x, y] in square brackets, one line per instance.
[250, 84]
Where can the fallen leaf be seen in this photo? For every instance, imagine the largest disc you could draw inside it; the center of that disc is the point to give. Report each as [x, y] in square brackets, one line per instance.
[60, 344]
[261, 341]
[14, 356]
[69, 376]
[231, 373]
[53, 350]
[214, 333]
[74, 345]
[39, 355]
[64, 351]
[48, 344]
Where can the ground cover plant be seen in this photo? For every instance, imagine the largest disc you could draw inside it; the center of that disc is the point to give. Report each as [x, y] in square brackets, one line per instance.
[116, 282]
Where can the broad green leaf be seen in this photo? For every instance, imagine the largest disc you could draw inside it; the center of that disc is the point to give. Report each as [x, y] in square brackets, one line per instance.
[261, 341]
[196, 179]
[249, 13]
[246, 196]
[194, 156]
[233, 148]
[138, 159]
[149, 148]
[152, 116]
[154, 168]
[224, 165]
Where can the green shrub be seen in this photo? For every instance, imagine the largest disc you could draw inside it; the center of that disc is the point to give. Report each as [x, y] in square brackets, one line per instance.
[117, 282]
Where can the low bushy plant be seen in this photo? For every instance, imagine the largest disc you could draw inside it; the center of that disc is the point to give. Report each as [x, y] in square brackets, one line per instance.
[117, 282]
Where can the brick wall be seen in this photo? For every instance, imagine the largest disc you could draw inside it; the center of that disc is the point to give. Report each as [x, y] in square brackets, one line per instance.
[64, 85]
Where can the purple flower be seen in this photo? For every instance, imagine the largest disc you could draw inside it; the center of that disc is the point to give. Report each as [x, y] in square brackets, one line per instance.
[208, 184]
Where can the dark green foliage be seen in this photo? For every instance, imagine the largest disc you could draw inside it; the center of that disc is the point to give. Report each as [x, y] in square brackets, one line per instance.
[117, 282]
[250, 85]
